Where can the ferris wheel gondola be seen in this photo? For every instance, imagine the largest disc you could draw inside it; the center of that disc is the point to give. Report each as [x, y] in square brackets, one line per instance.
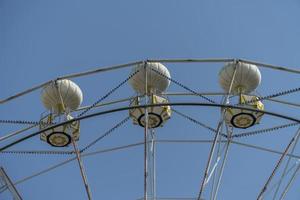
[149, 74]
[60, 98]
[246, 78]
[150, 80]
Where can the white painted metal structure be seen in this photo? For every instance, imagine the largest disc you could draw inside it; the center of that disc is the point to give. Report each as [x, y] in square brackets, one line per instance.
[7, 186]
[237, 77]
[150, 80]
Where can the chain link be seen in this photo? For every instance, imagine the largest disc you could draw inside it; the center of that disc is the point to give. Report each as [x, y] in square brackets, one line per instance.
[282, 93]
[39, 152]
[4, 121]
[105, 134]
[70, 152]
[198, 122]
[109, 93]
[183, 86]
[267, 130]
[240, 135]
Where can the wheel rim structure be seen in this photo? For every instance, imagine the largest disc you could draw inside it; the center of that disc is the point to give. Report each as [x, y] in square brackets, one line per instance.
[225, 135]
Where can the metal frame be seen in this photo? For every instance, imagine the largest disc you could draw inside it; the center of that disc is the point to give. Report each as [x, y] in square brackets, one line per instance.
[9, 185]
[217, 139]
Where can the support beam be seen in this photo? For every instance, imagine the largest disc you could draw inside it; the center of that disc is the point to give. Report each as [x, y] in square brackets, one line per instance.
[211, 153]
[82, 172]
[146, 136]
[229, 131]
[286, 166]
[265, 187]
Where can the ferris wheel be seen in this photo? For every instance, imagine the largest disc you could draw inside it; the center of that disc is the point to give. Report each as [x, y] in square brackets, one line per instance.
[239, 111]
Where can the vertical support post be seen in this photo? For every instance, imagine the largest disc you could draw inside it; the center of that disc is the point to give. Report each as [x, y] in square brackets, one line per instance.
[154, 163]
[289, 183]
[151, 165]
[286, 166]
[146, 134]
[211, 153]
[224, 162]
[84, 178]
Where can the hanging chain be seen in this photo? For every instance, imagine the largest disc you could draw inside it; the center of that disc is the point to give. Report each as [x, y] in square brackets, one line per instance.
[198, 122]
[24, 122]
[70, 152]
[108, 94]
[183, 86]
[105, 134]
[267, 130]
[240, 135]
[39, 152]
[282, 93]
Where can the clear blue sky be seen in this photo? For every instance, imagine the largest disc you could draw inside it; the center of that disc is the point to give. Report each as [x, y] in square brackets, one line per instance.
[41, 40]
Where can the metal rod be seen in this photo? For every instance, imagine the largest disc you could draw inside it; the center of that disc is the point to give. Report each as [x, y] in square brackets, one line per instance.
[271, 66]
[216, 135]
[289, 183]
[167, 141]
[24, 92]
[216, 161]
[74, 158]
[222, 93]
[143, 106]
[154, 164]
[139, 144]
[209, 60]
[10, 186]
[223, 163]
[286, 166]
[16, 132]
[193, 94]
[79, 109]
[83, 175]
[275, 169]
[284, 102]
[209, 160]
[287, 173]
[102, 69]
[145, 135]
[99, 70]
[264, 149]
[216, 60]
[105, 103]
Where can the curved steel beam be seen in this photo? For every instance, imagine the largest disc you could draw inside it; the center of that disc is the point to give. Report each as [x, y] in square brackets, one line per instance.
[114, 67]
[147, 106]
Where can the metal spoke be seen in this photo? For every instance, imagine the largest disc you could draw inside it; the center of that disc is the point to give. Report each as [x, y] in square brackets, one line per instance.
[286, 166]
[211, 153]
[265, 187]
[82, 172]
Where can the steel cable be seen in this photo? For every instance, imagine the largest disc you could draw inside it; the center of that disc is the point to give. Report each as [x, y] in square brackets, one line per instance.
[71, 152]
[7, 121]
[267, 130]
[108, 94]
[282, 93]
[183, 86]
[105, 134]
[197, 122]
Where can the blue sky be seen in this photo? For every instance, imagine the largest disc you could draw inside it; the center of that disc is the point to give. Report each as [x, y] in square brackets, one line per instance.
[41, 40]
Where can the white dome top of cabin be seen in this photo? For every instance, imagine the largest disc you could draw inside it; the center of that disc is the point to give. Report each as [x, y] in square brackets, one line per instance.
[247, 77]
[70, 92]
[156, 82]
